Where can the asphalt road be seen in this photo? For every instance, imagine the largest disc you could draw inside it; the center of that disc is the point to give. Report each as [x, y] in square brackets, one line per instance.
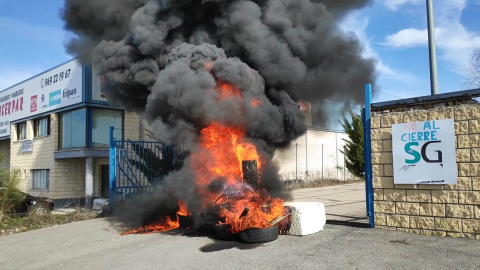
[95, 244]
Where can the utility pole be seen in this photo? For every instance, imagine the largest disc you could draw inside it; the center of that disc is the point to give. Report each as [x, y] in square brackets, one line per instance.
[432, 49]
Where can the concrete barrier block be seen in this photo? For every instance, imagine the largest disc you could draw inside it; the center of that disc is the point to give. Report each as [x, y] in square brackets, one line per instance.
[306, 218]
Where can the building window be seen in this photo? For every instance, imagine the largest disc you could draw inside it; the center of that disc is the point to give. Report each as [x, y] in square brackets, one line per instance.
[22, 131]
[73, 129]
[42, 127]
[40, 179]
[102, 120]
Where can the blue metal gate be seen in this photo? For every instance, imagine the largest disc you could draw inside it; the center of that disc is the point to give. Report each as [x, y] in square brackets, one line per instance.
[140, 165]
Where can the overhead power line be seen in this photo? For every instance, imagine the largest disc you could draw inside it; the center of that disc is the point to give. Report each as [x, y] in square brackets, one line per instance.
[380, 92]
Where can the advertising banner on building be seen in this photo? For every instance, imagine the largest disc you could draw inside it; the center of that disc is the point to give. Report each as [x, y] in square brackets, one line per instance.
[55, 89]
[424, 152]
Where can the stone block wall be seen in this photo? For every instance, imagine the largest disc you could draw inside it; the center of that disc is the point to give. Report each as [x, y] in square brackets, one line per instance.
[442, 210]
[40, 158]
[135, 127]
[67, 177]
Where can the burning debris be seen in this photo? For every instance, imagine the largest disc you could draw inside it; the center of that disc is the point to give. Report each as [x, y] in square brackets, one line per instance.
[223, 77]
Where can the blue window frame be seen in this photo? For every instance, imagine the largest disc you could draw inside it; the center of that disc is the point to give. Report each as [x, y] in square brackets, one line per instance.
[73, 129]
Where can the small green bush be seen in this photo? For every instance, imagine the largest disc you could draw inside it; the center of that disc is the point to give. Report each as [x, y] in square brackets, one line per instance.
[10, 196]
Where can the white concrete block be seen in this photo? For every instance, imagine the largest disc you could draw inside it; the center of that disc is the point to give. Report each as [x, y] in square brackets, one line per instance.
[100, 204]
[307, 217]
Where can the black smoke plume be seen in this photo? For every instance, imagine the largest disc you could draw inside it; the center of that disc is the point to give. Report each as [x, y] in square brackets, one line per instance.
[165, 58]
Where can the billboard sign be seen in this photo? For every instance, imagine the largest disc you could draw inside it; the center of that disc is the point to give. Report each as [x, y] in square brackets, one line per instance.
[52, 90]
[27, 146]
[424, 152]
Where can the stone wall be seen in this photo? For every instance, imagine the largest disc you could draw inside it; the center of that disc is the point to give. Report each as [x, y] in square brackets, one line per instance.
[443, 210]
[135, 127]
[40, 158]
[67, 177]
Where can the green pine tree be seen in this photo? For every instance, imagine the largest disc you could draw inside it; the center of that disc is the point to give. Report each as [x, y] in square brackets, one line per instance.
[353, 149]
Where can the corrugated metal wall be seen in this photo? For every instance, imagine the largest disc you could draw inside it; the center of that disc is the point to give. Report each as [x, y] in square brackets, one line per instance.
[316, 155]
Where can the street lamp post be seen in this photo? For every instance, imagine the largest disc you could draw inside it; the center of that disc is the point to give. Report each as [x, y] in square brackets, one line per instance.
[432, 49]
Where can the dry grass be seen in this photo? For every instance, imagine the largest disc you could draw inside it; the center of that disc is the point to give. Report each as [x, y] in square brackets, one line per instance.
[34, 221]
[298, 184]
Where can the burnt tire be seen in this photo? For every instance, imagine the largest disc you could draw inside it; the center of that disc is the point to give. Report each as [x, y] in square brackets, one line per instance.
[223, 232]
[258, 235]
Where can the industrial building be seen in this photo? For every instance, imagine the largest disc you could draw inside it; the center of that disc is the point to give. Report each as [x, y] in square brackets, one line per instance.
[54, 131]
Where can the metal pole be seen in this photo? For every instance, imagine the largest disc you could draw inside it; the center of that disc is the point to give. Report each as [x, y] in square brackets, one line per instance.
[113, 169]
[306, 154]
[322, 163]
[336, 152]
[432, 49]
[296, 161]
[368, 155]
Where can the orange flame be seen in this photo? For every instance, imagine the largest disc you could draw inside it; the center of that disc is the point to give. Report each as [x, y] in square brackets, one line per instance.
[164, 224]
[256, 103]
[227, 91]
[222, 151]
[208, 66]
[259, 215]
[183, 210]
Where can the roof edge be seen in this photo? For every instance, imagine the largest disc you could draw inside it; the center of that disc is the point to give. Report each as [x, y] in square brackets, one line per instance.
[466, 94]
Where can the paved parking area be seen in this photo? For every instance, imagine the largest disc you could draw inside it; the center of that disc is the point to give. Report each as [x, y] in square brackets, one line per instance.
[342, 203]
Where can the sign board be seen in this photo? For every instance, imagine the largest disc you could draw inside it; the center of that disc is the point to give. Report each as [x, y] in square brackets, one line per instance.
[27, 146]
[424, 152]
[55, 89]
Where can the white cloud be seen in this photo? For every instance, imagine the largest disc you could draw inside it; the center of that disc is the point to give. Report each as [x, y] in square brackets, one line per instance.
[410, 37]
[395, 4]
[358, 26]
[454, 42]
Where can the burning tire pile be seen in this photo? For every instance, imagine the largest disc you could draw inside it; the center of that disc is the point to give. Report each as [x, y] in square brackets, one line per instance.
[224, 78]
[246, 228]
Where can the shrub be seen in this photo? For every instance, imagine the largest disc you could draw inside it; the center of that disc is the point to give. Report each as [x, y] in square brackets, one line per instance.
[10, 196]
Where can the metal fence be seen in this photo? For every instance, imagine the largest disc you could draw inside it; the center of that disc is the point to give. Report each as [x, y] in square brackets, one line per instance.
[140, 165]
[312, 162]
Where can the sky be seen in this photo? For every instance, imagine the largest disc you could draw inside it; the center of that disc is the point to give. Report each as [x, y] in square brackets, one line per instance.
[394, 32]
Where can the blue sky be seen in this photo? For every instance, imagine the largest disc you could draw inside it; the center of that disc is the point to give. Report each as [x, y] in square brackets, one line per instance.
[392, 31]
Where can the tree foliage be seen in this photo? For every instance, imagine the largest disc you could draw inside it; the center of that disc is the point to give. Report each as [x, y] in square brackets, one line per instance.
[10, 196]
[353, 149]
[473, 75]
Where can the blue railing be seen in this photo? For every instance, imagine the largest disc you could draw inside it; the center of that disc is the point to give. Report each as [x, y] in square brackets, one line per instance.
[140, 165]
